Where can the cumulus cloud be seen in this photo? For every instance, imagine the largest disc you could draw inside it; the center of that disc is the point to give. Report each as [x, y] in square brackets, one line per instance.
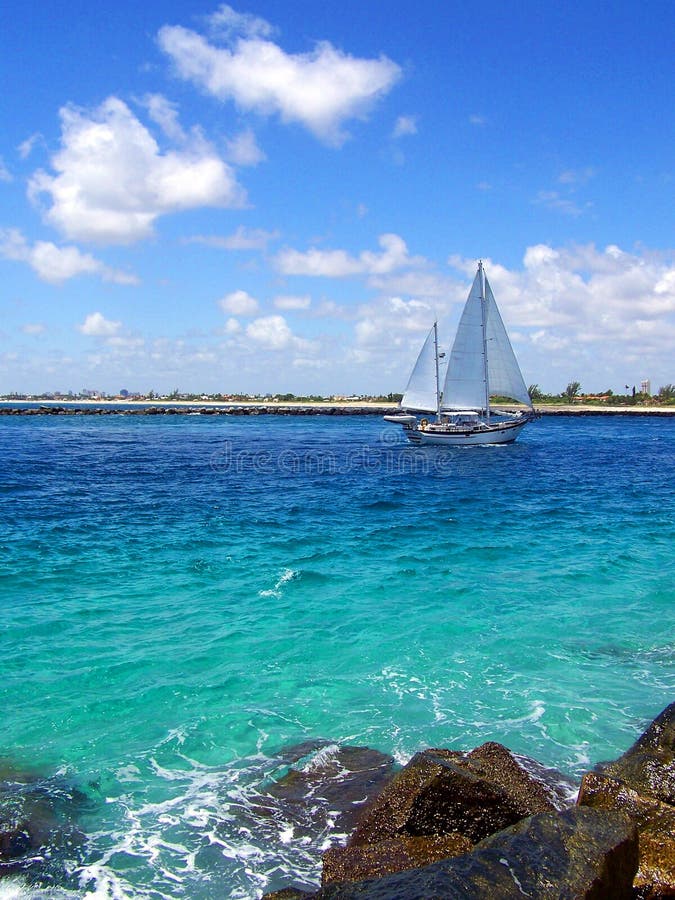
[580, 307]
[388, 334]
[340, 264]
[604, 315]
[112, 180]
[5, 174]
[271, 332]
[239, 303]
[96, 325]
[57, 264]
[392, 317]
[232, 326]
[321, 89]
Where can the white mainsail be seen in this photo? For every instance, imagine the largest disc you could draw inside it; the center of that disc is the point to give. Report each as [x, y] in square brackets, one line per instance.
[504, 375]
[482, 361]
[421, 392]
[464, 386]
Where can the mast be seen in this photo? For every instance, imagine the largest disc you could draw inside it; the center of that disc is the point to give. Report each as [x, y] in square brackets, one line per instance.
[438, 383]
[483, 321]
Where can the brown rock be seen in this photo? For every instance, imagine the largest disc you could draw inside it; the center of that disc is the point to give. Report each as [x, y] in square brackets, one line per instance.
[579, 854]
[649, 765]
[387, 816]
[655, 822]
[660, 735]
[356, 863]
[287, 894]
[441, 791]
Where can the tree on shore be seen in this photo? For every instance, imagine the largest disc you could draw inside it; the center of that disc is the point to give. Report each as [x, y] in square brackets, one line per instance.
[571, 391]
[667, 392]
[535, 392]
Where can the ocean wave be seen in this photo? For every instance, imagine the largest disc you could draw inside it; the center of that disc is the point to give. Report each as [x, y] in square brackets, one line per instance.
[286, 576]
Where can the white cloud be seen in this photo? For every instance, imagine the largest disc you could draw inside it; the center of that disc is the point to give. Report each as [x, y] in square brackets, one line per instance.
[580, 309]
[271, 332]
[405, 125]
[576, 176]
[125, 344]
[239, 303]
[243, 150]
[57, 264]
[329, 309]
[321, 89]
[112, 181]
[25, 148]
[5, 174]
[33, 328]
[385, 323]
[227, 21]
[479, 120]
[165, 114]
[96, 325]
[553, 200]
[423, 285]
[242, 239]
[319, 263]
[339, 264]
[232, 326]
[292, 302]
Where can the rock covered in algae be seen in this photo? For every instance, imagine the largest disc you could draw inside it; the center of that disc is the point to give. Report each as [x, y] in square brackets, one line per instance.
[641, 783]
[584, 854]
[361, 861]
[441, 792]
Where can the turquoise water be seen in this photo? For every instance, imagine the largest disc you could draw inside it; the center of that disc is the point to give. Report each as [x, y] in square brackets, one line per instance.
[183, 596]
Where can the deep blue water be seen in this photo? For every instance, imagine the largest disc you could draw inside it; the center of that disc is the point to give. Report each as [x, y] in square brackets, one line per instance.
[183, 596]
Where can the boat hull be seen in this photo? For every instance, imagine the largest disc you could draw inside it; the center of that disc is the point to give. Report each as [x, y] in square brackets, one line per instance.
[501, 433]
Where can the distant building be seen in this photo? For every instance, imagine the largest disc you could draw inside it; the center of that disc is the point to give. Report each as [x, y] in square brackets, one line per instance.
[646, 387]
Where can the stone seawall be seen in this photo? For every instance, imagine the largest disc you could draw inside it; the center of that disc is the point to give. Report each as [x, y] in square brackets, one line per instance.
[220, 410]
[309, 409]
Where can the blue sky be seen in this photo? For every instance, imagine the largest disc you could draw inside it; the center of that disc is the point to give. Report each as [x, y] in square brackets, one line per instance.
[279, 196]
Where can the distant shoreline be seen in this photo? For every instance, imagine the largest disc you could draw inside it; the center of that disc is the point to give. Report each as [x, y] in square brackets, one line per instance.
[289, 408]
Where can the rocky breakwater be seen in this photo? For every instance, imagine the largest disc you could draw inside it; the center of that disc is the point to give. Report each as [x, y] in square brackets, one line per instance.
[489, 825]
[265, 409]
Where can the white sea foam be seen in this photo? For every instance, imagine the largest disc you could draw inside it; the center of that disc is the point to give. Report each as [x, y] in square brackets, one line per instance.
[286, 576]
[217, 824]
[14, 887]
[321, 758]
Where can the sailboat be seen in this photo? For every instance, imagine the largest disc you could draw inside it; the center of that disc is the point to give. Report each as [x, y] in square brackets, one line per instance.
[481, 363]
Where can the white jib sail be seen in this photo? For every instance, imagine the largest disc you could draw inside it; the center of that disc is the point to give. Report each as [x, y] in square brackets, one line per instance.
[421, 390]
[464, 386]
[504, 375]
